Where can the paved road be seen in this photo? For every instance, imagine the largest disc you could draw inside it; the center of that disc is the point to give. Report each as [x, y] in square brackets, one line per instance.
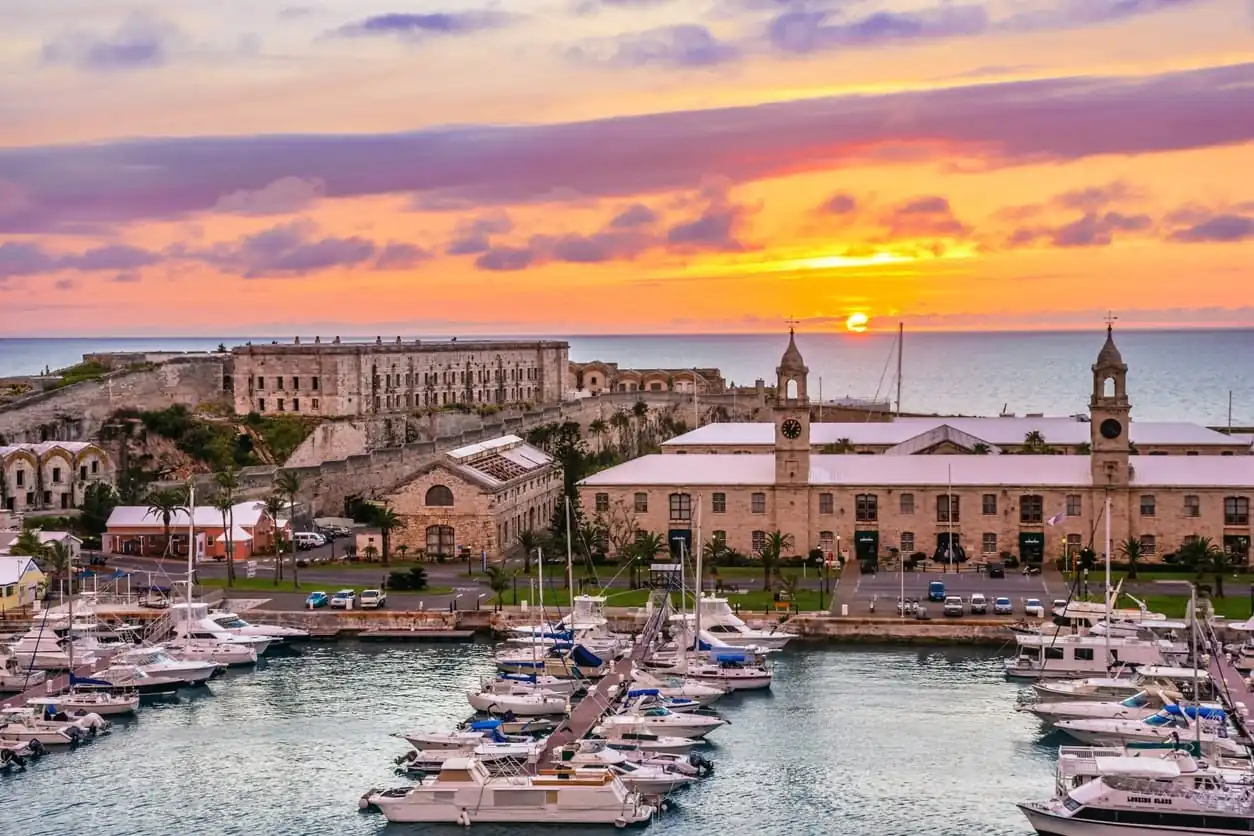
[885, 588]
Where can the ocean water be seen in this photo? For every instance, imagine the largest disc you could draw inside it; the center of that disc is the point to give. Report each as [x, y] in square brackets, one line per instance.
[1173, 375]
[869, 742]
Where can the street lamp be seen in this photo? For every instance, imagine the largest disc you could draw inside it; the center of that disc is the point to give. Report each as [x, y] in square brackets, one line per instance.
[479, 600]
[452, 605]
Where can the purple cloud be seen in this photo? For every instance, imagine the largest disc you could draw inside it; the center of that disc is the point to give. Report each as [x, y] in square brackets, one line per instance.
[284, 196]
[1006, 124]
[1095, 198]
[399, 256]
[139, 43]
[285, 250]
[715, 229]
[416, 25]
[502, 258]
[474, 236]
[18, 258]
[634, 216]
[922, 216]
[686, 45]
[1093, 229]
[1220, 228]
[839, 204]
[110, 257]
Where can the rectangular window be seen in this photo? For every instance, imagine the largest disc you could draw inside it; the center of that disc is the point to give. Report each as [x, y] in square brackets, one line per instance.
[1074, 544]
[988, 543]
[1084, 654]
[866, 508]
[757, 503]
[1236, 510]
[827, 504]
[642, 503]
[261, 383]
[907, 503]
[1149, 545]
[720, 537]
[758, 542]
[1073, 505]
[296, 383]
[827, 542]
[313, 381]
[295, 404]
[681, 506]
[95, 467]
[602, 503]
[314, 403]
[21, 478]
[1147, 505]
[947, 508]
[82, 471]
[719, 503]
[1031, 509]
[280, 404]
[56, 475]
[988, 504]
[261, 404]
[907, 543]
[1054, 652]
[1192, 505]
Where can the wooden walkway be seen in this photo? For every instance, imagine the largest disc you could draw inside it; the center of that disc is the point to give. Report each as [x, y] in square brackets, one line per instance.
[56, 684]
[1234, 689]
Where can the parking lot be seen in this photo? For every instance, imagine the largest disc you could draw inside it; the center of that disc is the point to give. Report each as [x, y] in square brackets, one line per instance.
[884, 588]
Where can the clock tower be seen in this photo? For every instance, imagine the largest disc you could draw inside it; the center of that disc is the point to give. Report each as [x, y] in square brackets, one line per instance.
[1109, 413]
[792, 419]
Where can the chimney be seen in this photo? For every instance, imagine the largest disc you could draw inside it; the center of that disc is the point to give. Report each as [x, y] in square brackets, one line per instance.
[296, 341]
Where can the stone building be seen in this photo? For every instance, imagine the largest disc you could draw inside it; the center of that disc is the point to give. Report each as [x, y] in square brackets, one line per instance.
[933, 490]
[338, 379]
[50, 475]
[476, 499]
[596, 377]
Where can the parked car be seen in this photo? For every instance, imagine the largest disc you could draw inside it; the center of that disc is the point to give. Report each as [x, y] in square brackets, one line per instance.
[996, 570]
[953, 607]
[373, 599]
[309, 540]
[1034, 607]
[1002, 606]
[316, 600]
[1059, 605]
[344, 599]
[936, 591]
[979, 604]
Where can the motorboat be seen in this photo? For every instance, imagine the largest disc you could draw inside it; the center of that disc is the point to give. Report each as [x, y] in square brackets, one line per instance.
[651, 775]
[1136, 707]
[51, 728]
[1062, 657]
[630, 739]
[496, 757]
[663, 721]
[14, 679]
[88, 696]
[562, 660]
[127, 677]
[464, 792]
[236, 626]
[156, 661]
[1147, 797]
[192, 621]
[1080, 764]
[1171, 725]
[212, 651]
[702, 693]
[518, 698]
[733, 669]
[552, 684]
[720, 621]
[653, 698]
[1127, 684]
[480, 731]
[14, 755]
[43, 648]
[587, 615]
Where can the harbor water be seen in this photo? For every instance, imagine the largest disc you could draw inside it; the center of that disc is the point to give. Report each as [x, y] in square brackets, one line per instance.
[866, 742]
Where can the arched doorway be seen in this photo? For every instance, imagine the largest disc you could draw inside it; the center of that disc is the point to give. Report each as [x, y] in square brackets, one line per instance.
[441, 540]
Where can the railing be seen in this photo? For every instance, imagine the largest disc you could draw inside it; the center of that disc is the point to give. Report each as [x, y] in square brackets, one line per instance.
[1224, 798]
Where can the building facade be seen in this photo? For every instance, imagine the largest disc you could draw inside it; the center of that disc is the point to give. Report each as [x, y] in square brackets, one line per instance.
[597, 377]
[20, 582]
[50, 475]
[476, 500]
[927, 496]
[339, 379]
[135, 529]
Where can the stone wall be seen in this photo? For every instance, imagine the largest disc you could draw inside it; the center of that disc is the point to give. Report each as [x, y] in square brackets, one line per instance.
[77, 412]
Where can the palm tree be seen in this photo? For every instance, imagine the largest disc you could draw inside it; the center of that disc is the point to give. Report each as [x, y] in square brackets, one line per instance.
[648, 545]
[597, 429]
[402, 550]
[843, 445]
[1202, 555]
[981, 449]
[528, 541]
[288, 484]
[621, 421]
[772, 550]
[275, 503]
[370, 553]
[1034, 442]
[228, 486]
[164, 504]
[1084, 449]
[57, 561]
[1131, 550]
[499, 580]
[788, 589]
[713, 551]
[387, 521]
[28, 544]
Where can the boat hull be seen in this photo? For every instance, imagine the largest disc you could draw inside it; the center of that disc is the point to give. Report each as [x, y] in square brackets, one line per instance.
[403, 811]
[1049, 824]
[501, 703]
[735, 683]
[113, 708]
[766, 641]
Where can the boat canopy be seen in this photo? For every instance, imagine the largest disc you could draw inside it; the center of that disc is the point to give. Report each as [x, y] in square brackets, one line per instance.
[585, 658]
[83, 680]
[643, 692]
[519, 677]
[485, 725]
[742, 656]
[1204, 711]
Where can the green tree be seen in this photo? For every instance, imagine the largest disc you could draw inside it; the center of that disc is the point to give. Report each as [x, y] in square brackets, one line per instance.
[1034, 443]
[621, 422]
[274, 504]
[99, 500]
[981, 449]
[648, 545]
[28, 544]
[402, 551]
[773, 549]
[528, 542]
[370, 553]
[387, 521]
[57, 561]
[1083, 449]
[1202, 556]
[713, 551]
[499, 581]
[597, 429]
[842, 446]
[227, 484]
[164, 504]
[1131, 551]
[788, 589]
[288, 484]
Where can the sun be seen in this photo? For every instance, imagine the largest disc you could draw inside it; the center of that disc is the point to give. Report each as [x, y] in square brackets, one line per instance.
[857, 322]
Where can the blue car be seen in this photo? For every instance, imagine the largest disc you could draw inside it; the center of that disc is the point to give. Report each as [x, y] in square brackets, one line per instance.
[316, 600]
[936, 591]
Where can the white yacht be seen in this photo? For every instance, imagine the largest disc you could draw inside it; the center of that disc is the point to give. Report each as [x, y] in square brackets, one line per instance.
[1080, 764]
[156, 662]
[129, 677]
[552, 684]
[43, 648]
[104, 703]
[1136, 707]
[735, 669]
[670, 686]
[463, 792]
[631, 739]
[479, 731]
[497, 758]
[216, 652]
[26, 723]
[562, 660]
[720, 621]
[1171, 725]
[519, 698]
[664, 721]
[236, 626]
[192, 621]
[648, 774]
[1062, 657]
[1128, 683]
[1148, 797]
[14, 679]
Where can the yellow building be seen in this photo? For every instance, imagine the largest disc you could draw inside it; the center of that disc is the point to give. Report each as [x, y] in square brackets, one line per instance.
[20, 580]
[947, 484]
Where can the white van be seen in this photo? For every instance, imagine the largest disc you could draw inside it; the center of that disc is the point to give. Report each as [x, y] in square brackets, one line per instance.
[309, 540]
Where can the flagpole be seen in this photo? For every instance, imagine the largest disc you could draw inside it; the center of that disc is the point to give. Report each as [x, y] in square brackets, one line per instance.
[1108, 579]
[949, 502]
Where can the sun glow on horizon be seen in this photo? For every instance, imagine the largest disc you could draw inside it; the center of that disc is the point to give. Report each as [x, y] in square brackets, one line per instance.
[857, 322]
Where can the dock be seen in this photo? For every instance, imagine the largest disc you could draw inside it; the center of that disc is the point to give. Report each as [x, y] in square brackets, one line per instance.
[56, 684]
[416, 635]
[1234, 688]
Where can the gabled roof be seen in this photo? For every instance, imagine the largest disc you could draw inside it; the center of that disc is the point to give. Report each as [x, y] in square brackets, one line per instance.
[939, 435]
[244, 514]
[13, 568]
[498, 461]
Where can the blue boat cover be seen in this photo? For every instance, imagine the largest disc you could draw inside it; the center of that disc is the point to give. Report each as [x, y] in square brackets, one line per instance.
[519, 677]
[82, 680]
[585, 658]
[643, 692]
[1205, 712]
[485, 725]
[703, 645]
[742, 656]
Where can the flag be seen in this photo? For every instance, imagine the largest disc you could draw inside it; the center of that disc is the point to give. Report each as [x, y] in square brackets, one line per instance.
[1057, 518]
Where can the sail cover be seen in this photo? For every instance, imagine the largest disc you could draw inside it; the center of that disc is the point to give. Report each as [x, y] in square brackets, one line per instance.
[584, 657]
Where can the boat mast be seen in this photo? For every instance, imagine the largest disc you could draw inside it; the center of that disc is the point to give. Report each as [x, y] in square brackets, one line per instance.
[696, 631]
[1197, 701]
[191, 543]
[901, 339]
[570, 562]
[696, 409]
[1108, 656]
[949, 516]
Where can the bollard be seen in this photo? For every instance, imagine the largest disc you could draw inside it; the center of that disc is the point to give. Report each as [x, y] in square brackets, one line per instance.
[844, 609]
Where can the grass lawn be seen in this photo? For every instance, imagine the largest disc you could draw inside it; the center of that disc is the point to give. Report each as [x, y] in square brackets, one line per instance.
[1233, 607]
[268, 585]
[1242, 578]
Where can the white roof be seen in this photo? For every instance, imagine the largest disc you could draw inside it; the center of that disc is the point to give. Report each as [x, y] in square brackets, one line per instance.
[499, 460]
[139, 516]
[484, 446]
[1149, 767]
[1001, 431]
[12, 569]
[73, 447]
[932, 471]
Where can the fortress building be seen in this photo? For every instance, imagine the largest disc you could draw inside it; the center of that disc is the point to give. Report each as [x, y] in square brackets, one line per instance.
[990, 484]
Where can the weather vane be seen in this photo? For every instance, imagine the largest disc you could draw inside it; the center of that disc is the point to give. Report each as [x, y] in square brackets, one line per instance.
[1110, 320]
[792, 322]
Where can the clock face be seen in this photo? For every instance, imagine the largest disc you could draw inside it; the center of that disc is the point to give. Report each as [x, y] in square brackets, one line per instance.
[791, 428]
[1111, 428]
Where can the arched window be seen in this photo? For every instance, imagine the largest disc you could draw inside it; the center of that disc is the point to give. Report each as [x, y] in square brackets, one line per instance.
[439, 496]
[1108, 387]
[792, 388]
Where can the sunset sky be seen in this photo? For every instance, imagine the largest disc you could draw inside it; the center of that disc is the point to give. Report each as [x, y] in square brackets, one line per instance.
[623, 166]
